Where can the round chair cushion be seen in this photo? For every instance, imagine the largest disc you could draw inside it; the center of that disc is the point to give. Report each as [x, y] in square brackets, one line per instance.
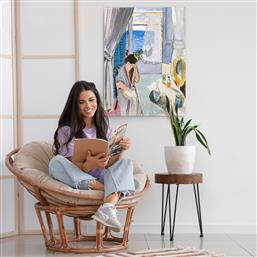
[31, 162]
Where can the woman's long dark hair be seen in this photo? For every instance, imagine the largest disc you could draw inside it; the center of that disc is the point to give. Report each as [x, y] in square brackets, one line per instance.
[72, 117]
[133, 60]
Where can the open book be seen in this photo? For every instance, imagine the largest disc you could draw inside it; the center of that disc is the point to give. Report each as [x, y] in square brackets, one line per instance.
[96, 146]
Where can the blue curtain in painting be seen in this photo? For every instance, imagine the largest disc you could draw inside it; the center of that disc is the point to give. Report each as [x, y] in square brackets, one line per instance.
[115, 23]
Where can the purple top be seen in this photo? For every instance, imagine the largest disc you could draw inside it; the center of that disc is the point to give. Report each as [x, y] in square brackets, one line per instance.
[63, 136]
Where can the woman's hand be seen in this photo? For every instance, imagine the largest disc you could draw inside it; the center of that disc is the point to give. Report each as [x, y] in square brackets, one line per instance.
[125, 91]
[125, 143]
[122, 86]
[98, 161]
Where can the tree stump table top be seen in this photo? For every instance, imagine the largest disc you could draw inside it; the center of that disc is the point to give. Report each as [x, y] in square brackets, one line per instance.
[165, 178]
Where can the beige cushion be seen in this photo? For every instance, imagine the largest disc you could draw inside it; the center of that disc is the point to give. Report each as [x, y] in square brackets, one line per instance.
[32, 163]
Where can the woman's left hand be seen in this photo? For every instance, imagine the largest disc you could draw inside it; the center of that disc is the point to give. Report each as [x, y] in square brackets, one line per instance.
[125, 143]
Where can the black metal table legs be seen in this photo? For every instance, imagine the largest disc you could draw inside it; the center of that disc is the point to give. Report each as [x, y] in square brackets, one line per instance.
[164, 209]
[198, 208]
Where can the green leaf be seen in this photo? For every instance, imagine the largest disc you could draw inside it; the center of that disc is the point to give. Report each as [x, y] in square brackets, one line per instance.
[180, 131]
[199, 138]
[173, 125]
[188, 122]
[203, 137]
[168, 106]
[190, 129]
[183, 139]
[176, 131]
[181, 122]
[186, 132]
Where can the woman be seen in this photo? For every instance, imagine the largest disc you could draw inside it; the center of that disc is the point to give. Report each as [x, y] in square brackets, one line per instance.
[84, 117]
[126, 80]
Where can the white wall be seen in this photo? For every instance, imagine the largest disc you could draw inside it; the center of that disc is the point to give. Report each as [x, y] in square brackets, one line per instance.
[221, 50]
[7, 124]
[47, 67]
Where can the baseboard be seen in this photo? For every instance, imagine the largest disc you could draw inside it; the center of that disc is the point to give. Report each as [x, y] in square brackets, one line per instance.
[38, 232]
[181, 229]
[8, 234]
[189, 228]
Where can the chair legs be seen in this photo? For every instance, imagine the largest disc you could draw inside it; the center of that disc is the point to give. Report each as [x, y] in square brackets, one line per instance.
[77, 228]
[63, 242]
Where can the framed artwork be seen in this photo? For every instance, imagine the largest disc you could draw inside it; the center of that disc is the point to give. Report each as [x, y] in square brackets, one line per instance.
[144, 57]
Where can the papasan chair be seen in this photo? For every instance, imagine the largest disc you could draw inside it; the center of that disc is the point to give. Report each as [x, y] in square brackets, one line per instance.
[30, 165]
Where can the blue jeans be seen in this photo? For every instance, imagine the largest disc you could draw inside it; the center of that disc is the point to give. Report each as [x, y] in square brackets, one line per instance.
[117, 178]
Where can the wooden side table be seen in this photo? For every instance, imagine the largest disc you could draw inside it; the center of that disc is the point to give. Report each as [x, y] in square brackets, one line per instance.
[164, 178]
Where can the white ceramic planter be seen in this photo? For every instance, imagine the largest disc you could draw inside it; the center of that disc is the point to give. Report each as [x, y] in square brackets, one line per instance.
[180, 159]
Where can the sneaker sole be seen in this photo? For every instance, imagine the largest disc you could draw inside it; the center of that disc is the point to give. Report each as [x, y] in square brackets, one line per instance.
[115, 229]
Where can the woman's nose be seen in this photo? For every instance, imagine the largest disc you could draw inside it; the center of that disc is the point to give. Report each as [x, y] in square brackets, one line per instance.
[87, 104]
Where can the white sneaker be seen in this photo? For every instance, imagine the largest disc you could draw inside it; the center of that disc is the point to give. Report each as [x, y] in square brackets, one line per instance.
[106, 214]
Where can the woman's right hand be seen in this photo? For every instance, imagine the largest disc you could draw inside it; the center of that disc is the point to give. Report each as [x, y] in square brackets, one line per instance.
[98, 161]
[122, 86]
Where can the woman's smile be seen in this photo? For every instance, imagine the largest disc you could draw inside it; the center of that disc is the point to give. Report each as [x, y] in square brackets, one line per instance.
[89, 110]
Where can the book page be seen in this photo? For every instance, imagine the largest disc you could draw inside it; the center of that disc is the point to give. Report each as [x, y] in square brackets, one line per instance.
[119, 133]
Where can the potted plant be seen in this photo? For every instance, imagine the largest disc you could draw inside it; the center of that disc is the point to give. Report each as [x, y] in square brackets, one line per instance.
[179, 158]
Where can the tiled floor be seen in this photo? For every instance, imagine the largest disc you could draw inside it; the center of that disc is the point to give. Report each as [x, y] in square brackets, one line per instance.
[228, 245]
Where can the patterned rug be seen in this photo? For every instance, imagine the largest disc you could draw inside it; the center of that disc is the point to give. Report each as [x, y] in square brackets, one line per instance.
[173, 252]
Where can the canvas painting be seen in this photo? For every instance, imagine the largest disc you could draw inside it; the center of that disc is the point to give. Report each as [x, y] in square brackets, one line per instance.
[144, 60]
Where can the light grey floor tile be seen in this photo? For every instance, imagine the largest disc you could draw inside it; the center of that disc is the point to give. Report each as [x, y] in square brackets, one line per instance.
[229, 245]
[24, 246]
[137, 246]
[195, 237]
[226, 248]
[136, 237]
[134, 245]
[248, 242]
[220, 244]
[8, 247]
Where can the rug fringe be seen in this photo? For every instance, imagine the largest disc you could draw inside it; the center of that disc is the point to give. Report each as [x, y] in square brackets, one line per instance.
[172, 252]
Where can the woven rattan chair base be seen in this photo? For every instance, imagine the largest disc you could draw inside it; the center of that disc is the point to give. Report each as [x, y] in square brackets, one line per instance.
[51, 205]
[62, 242]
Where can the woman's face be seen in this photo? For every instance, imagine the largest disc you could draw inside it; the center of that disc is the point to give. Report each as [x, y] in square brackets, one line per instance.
[87, 103]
